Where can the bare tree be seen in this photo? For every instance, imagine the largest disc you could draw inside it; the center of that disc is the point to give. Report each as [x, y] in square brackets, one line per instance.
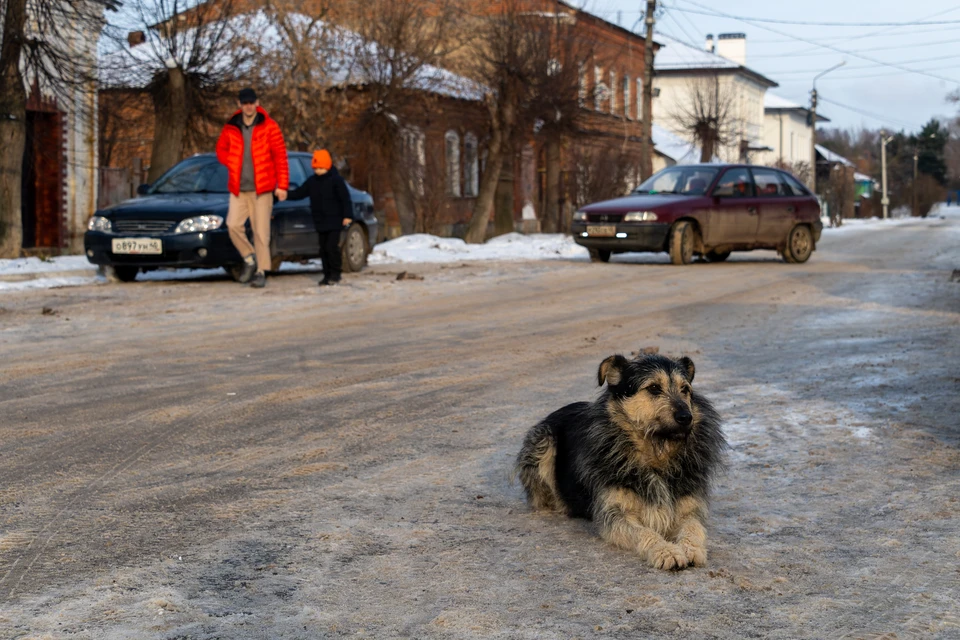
[397, 55]
[705, 115]
[555, 99]
[603, 171]
[39, 48]
[188, 58]
[513, 54]
[298, 64]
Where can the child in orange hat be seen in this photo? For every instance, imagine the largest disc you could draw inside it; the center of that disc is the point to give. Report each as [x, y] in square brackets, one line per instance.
[332, 210]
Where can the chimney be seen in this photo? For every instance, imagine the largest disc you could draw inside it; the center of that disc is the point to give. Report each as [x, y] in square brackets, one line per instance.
[709, 46]
[733, 46]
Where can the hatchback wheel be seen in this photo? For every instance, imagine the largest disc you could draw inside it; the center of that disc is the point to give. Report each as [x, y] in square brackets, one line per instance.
[717, 256]
[799, 245]
[354, 249]
[599, 255]
[126, 273]
[681, 243]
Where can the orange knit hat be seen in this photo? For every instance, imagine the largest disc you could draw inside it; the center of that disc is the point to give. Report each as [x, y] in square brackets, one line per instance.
[321, 160]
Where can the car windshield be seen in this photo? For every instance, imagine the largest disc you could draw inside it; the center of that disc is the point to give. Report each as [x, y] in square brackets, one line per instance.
[688, 181]
[195, 175]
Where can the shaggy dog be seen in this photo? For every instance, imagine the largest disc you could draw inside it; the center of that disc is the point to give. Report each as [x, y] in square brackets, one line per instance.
[638, 461]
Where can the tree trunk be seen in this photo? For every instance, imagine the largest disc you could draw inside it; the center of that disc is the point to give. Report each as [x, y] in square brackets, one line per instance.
[503, 200]
[707, 151]
[551, 214]
[170, 123]
[13, 130]
[502, 118]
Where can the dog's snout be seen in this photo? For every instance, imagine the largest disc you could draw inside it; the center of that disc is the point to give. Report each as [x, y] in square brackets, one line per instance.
[683, 417]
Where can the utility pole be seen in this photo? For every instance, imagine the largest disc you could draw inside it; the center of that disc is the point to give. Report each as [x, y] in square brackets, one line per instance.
[646, 145]
[916, 156]
[885, 201]
[813, 124]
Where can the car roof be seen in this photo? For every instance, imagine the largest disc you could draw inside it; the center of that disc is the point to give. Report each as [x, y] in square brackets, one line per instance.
[210, 154]
[723, 165]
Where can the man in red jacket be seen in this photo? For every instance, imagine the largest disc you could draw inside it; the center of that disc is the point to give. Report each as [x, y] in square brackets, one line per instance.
[252, 148]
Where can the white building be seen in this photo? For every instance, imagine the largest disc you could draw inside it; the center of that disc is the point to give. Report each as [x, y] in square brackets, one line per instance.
[719, 74]
[788, 133]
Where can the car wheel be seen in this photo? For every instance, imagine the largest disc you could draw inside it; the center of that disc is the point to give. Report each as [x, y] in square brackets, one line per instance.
[599, 255]
[799, 245]
[681, 243]
[354, 249]
[717, 256]
[126, 273]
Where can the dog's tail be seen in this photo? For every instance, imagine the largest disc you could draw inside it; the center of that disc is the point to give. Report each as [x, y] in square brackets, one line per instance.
[536, 467]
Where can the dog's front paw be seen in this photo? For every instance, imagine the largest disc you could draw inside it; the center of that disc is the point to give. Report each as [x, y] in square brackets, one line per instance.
[667, 556]
[696, 555]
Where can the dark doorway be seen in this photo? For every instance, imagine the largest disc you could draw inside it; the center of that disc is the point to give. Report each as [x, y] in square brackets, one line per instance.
[42, 186]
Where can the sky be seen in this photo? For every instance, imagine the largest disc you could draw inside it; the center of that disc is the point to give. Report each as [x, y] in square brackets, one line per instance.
[865, 92]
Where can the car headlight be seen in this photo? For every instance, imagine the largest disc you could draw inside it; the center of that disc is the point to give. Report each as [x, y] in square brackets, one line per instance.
[199, 223]
[99, 223]
[580, 216]
[640, 216]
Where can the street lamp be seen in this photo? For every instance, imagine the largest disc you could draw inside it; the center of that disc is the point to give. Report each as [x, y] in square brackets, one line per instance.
[884, 139]
[813, 122]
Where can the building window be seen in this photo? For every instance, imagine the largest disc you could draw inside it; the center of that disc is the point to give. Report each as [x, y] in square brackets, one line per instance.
[453, 163]
[626, 97]
[613, 91]
[471, 166]
[582, 96]
[598, 89]
[415, 149]
[639, 98]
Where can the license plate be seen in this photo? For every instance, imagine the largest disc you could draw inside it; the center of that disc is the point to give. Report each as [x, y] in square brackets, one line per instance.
[138, 246]
[602, 231]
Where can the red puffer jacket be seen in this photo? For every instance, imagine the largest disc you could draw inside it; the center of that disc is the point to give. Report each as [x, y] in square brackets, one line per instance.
[270, 170]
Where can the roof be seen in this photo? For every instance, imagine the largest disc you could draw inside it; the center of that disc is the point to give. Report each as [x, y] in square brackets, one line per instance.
[673, 146]
[678, 57]
[833, 157]
[344, 51]
[773, 102]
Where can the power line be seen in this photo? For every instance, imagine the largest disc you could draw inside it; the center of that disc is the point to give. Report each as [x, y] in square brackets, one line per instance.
[823, 24]
[888, 30]
[838, 50]
[847, 38]
[799, 54]
[864, 112]
[871, 66]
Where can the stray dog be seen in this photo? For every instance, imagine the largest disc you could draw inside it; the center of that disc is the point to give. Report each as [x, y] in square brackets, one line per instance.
[638, 461]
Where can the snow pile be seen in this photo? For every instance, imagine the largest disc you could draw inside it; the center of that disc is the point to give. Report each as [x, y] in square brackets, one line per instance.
[31, 266]
[48, 283]
[424, 248]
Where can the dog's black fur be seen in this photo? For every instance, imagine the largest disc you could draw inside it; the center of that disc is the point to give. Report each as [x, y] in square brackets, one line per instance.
[638, 461]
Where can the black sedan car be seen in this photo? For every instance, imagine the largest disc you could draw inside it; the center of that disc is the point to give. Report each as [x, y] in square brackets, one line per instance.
[180, 222]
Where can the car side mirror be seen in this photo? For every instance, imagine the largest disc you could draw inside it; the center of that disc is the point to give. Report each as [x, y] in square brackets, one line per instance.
[143, 189]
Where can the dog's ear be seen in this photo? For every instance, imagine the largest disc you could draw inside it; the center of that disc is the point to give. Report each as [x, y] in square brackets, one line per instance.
[611, 370]
[687, 365]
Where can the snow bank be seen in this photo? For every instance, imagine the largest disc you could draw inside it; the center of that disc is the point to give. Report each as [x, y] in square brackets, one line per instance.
[30, 266]
[512, 246]
[49, 283]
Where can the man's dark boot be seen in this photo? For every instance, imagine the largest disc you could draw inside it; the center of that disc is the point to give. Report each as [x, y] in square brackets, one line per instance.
[259, 280]
[249, 267]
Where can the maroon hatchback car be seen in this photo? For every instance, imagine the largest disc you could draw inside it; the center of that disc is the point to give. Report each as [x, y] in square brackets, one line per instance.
[707, 210]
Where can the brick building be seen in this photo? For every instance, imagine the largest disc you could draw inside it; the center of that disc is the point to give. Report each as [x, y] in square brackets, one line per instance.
[444, 133]
[59, 171]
